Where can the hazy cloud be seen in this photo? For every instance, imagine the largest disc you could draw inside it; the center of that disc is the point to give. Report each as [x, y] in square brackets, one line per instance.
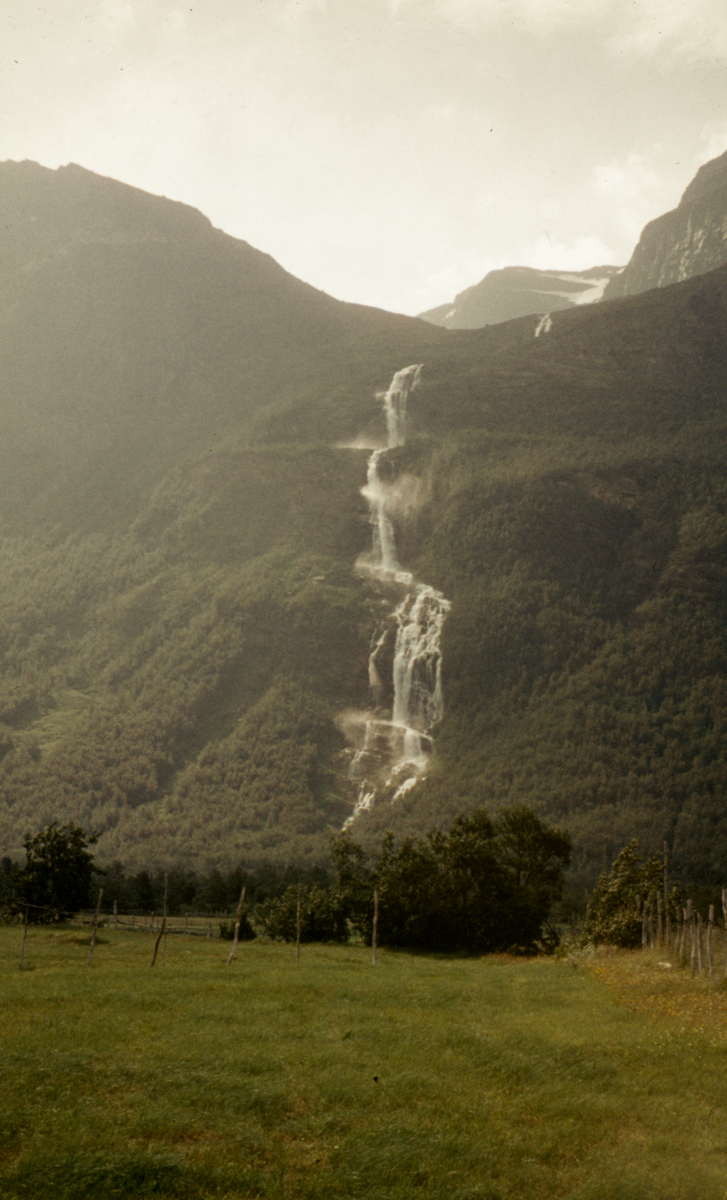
[675, 31]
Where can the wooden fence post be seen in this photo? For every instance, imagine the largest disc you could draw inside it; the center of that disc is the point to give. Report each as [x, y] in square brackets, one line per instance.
[162, 930]
[666, 897]
[644, 927]
[699, 943]
[164, 921]
[659, 939]
[692, 936]
[710, 927]
[116, 914]
[375, 926]
[297, 926]
[238, 919]
[95, 926]
[25, 934]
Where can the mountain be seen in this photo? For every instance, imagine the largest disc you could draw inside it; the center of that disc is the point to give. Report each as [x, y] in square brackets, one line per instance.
[245, 525]
[517, 292]
[688, 241]
[133, 332]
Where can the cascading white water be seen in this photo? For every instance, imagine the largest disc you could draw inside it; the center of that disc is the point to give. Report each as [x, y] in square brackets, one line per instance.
[417, 668]
[383, 538]
[418, 701]
[375, 491]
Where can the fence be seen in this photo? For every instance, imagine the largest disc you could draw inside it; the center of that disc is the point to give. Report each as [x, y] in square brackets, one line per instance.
[691, 939]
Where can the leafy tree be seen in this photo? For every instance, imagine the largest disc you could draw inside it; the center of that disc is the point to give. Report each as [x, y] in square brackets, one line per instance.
[8, 875]
[354, 882]
[56, 878]
[534, 854]
[613, 914]
[486, 885]
[322, 916]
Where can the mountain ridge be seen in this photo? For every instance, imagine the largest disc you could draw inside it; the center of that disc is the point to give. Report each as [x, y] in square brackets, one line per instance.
[690, 240]
[512, 292]
[185, 635]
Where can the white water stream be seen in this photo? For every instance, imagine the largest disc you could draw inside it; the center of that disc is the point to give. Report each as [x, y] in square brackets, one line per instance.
[417, 666]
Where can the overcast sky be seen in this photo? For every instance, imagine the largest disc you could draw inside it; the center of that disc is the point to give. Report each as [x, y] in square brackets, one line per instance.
[390, 152]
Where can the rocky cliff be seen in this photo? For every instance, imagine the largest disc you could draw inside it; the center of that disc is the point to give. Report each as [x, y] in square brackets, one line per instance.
[688, 241]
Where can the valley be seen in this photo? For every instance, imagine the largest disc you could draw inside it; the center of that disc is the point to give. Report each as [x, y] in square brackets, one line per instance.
[198, 639]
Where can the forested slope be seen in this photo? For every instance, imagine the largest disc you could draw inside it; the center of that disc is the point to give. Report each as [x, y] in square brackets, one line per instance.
[182, 627]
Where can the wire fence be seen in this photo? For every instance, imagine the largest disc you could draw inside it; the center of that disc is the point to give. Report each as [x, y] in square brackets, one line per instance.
[205, 925]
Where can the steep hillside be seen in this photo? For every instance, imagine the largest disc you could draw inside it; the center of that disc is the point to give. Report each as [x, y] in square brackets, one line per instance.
[198, 635]
[133, 334]
[688, 241]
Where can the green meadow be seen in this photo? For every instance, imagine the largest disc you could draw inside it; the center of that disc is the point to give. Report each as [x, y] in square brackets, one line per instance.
[421, 1076]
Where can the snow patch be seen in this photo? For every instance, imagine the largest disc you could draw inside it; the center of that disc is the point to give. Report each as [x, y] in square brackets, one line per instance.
[545, 324]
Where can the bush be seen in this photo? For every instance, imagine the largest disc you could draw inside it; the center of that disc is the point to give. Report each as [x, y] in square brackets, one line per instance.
[614, 916]
[323, 916]
[246, 933]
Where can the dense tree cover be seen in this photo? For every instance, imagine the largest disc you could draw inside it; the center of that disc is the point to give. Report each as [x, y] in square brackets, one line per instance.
[586, 647]
[182, 629]
[484, 885]
[55, 880]
[614, 914]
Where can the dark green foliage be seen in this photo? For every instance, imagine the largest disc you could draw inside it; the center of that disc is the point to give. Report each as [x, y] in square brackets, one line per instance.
[323, 917]
[533, 855]
[614, 911]
[486, 885]
[8, 874]
[353, 885]
[55, 881]
[245, 933]
[181, 624]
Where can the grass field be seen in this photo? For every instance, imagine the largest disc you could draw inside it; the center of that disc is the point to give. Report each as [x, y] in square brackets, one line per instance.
[421, 1077]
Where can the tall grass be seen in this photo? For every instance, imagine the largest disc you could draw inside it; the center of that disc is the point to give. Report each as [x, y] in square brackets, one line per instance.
[420, 1077]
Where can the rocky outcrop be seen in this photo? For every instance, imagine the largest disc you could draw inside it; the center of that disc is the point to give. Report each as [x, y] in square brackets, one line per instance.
[690, 240]
[519, 292]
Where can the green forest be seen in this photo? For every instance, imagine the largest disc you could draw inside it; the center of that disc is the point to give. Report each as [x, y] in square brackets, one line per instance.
[183, 627]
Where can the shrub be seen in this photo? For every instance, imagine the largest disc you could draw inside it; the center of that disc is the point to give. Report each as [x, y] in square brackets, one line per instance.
[613, 916]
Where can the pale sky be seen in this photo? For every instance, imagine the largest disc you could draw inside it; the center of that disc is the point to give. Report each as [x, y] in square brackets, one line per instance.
[389, 152]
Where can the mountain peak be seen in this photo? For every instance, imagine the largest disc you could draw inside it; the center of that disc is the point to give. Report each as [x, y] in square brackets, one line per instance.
[711, 177]
[690, 240]
[512, 292]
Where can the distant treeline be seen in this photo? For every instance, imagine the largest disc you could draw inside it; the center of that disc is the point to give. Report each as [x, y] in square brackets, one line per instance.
[484, 885]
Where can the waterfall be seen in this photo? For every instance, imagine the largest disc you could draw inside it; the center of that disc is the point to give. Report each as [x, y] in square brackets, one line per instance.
[418, 619]
[395, 399]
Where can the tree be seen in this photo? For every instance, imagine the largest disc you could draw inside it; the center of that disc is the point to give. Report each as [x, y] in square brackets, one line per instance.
[613, 916]
[322, 918]
[353, 887]
[56, 878]
[534, 854]
[485, 885]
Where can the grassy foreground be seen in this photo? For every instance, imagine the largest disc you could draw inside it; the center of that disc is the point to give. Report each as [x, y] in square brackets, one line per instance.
[420, 1077]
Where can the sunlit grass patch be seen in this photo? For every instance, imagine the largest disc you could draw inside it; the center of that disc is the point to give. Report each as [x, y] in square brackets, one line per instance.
[655, 982]
[420, 1077]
